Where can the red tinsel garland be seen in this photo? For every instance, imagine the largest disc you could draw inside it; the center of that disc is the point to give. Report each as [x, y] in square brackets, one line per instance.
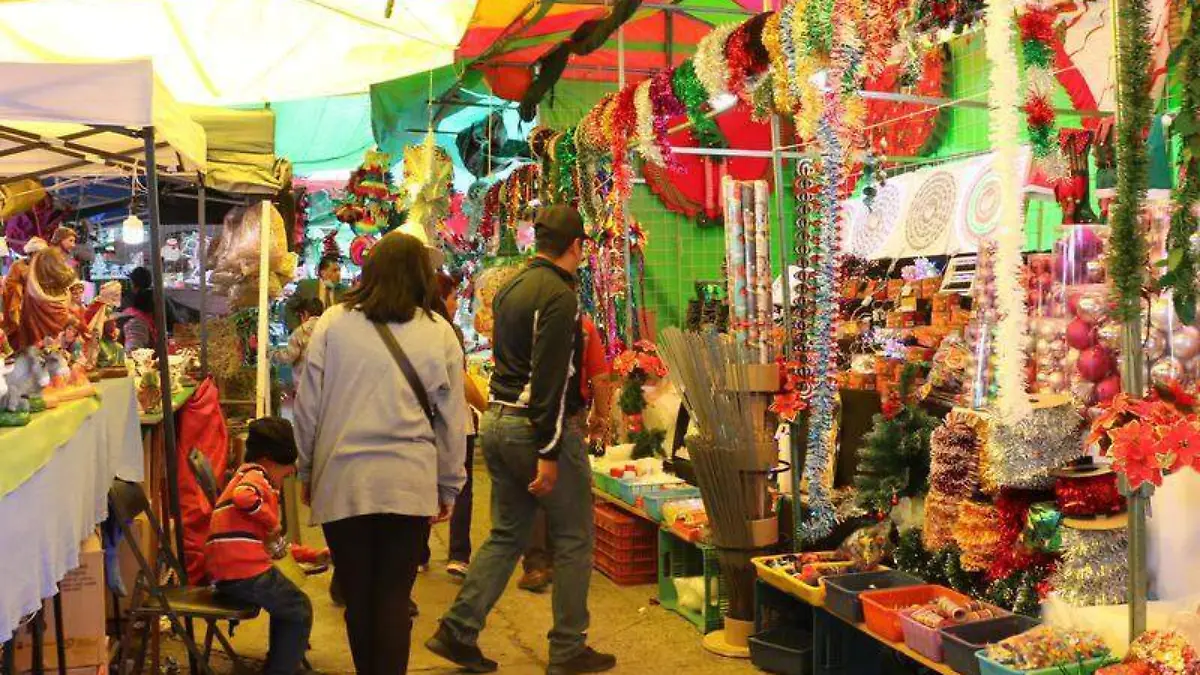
[1011, 555]
[624, 125]
[1089, 496]
[745, 55]
[1038, 111]
[1037, 24]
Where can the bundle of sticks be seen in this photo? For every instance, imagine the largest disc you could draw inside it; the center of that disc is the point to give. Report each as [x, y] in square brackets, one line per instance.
[733, 452]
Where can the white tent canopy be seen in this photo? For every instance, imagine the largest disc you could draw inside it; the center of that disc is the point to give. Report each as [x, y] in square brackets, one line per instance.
[223, 52]
[76, 118]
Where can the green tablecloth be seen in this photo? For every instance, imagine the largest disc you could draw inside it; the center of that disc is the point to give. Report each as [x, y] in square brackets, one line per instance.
[27, 449]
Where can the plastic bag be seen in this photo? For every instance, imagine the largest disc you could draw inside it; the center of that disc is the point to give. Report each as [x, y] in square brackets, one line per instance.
[868, 546]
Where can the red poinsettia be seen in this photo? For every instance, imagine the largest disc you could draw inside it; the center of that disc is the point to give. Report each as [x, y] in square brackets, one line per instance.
[1135, 453]
[1180, 445]
[643, 357]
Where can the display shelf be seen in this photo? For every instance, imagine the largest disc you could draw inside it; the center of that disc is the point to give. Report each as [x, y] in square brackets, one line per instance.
[619, 503]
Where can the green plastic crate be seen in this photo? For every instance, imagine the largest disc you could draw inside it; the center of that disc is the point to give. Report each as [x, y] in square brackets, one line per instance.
[679, 558]
[604, 482]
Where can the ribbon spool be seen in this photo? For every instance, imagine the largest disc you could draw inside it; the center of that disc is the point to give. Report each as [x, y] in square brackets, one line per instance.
[1087, 491]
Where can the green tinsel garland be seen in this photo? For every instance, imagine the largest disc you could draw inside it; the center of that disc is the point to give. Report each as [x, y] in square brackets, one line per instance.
[818, 26]
[691, 93]
[565, 156]
[1181, 263]
[1127, 250]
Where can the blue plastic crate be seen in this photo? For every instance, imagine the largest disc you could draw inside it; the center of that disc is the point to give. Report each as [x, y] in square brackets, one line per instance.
[1086, 667]
[629, 491]
[654, 501]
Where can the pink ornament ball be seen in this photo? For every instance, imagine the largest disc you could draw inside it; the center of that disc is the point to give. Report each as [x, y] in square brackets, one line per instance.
[1095, 363]
[1185, 343]
[1108, 388]
[1080, 334]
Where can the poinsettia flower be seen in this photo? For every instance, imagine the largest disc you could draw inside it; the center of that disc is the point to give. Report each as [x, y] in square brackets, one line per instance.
[787, 405]
[1180, 445]
[1135, 453]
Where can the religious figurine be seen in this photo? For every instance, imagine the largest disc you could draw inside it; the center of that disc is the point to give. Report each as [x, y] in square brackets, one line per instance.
[68, 378]
[46, 310]
[110, 357]
[12, 297]
[93, 319]
[24, 381]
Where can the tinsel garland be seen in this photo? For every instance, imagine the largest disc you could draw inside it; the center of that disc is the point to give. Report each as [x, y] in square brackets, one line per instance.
[1127, 246]
[1004, 126]
[954, 460]
[819, 26]
[590, 139]
[780, 80]
[709, 61]
[1012, 554]
[1094, 568]
[691, 93]
[644, 110]
[1022, 454]
[665, 107]
[808, 99]
[1037, 31]
[1182, 264]
[977, 533]
[620, 129]
[1089, 496]
[745, 55]
[822, 340]
[941, 513]
[565, 158]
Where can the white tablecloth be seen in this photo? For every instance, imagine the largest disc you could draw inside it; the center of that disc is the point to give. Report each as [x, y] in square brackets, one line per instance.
[44, 520]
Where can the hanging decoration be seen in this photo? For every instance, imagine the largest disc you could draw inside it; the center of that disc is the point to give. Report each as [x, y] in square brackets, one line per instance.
[1127, 253]
[691, 93]
[1182, 266]
[712, 68]
[1004, 125]
[428, 184]
[329, 246]
[1094, 569]
[646, 136]
[665, 106]
[746, 56]
[360, 247]
[1036, 26]
[370, 204]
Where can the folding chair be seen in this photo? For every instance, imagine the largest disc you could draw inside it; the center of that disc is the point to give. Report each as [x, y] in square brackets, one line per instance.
[152, 599]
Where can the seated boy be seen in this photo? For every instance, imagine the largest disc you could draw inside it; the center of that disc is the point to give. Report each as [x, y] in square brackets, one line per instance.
[246, 536]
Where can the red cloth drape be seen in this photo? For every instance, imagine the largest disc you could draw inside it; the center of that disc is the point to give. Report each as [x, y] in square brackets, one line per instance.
[202, 427]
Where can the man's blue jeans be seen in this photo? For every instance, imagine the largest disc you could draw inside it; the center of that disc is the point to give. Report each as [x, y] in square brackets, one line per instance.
[510, 450]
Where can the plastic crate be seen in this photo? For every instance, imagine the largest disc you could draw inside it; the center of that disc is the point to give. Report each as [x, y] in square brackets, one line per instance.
[841, 593]
[785, 650]
[614, 521]
[629, 491]
[653, 502]
[604, 482]
[960, 643]
[625, 574]
[881, 609]
[628, 550]
[678, 558]
[1087, 667]
[813, 595]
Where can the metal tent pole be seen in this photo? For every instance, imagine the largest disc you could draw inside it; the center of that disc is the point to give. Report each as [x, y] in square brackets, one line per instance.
[202, 253]
[630, 319]
[262, 405]
[160, 340]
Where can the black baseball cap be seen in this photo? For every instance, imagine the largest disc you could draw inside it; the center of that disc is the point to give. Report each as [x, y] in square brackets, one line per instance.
[562, 222]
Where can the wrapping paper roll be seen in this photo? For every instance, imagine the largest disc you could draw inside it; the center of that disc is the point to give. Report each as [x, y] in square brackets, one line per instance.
[749, 240]
[950, 609]
[763, 278]
[735, 258]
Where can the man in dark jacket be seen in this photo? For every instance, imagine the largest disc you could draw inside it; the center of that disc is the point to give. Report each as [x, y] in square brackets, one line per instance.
[327, 288]
[535, 455]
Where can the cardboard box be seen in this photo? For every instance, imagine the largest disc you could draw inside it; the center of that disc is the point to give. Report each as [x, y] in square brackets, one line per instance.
[101, 669]
[82, 590]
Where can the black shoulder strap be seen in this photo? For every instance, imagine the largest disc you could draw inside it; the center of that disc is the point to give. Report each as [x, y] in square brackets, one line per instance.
[406, 367]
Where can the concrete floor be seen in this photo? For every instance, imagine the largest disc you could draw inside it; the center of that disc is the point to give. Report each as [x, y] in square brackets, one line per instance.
[625, 621]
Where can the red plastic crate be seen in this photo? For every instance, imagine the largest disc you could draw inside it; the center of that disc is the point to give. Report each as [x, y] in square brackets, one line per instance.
[616, 522]
[636, 549]
[881, 609]
[626, 574]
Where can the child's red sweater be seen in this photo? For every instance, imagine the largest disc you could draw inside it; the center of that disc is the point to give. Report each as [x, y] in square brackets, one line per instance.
[245, 515]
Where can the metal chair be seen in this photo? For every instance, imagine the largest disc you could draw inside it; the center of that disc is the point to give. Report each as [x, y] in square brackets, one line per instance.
[153, 599]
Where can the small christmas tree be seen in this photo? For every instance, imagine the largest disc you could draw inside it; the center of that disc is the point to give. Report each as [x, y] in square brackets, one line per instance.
[894, 463]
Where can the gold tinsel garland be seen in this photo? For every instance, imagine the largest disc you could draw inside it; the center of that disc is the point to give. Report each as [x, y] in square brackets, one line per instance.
[977, 533]
[709, 61]
[645, 125]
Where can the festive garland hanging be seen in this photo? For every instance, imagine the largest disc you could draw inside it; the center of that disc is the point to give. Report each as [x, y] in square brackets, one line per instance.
[1182, 266]
[710, 62]
[1127, 247]
[691, 93]
[1004, 123]
[1036, 26]
[644, 109]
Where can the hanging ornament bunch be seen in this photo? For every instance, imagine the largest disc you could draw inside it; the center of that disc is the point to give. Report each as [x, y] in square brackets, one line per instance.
[371, 205]
[428, 183]
[1036, 27]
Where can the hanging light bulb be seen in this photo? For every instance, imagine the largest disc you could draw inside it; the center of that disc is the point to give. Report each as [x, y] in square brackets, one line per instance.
[132, 231]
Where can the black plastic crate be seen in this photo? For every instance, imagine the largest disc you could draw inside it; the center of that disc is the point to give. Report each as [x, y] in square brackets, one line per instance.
[784, 650]
[841, 592]
[959, 643]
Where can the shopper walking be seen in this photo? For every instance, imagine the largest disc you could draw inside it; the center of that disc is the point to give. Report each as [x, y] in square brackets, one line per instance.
[382, 426]
[327, 289]
[460, 519]
[535, 456]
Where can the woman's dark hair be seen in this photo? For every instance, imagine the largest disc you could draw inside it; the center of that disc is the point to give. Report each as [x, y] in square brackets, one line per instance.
[143, 301]
[327, 262]
[140, 278]
[310, 306]
[397, 280]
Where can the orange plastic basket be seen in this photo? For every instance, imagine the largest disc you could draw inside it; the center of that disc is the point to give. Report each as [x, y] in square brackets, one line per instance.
[881, 609]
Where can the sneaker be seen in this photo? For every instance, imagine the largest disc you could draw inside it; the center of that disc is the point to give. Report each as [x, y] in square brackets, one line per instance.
[587, 661]
[457, 569]
[467, 657]
[535, 581]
